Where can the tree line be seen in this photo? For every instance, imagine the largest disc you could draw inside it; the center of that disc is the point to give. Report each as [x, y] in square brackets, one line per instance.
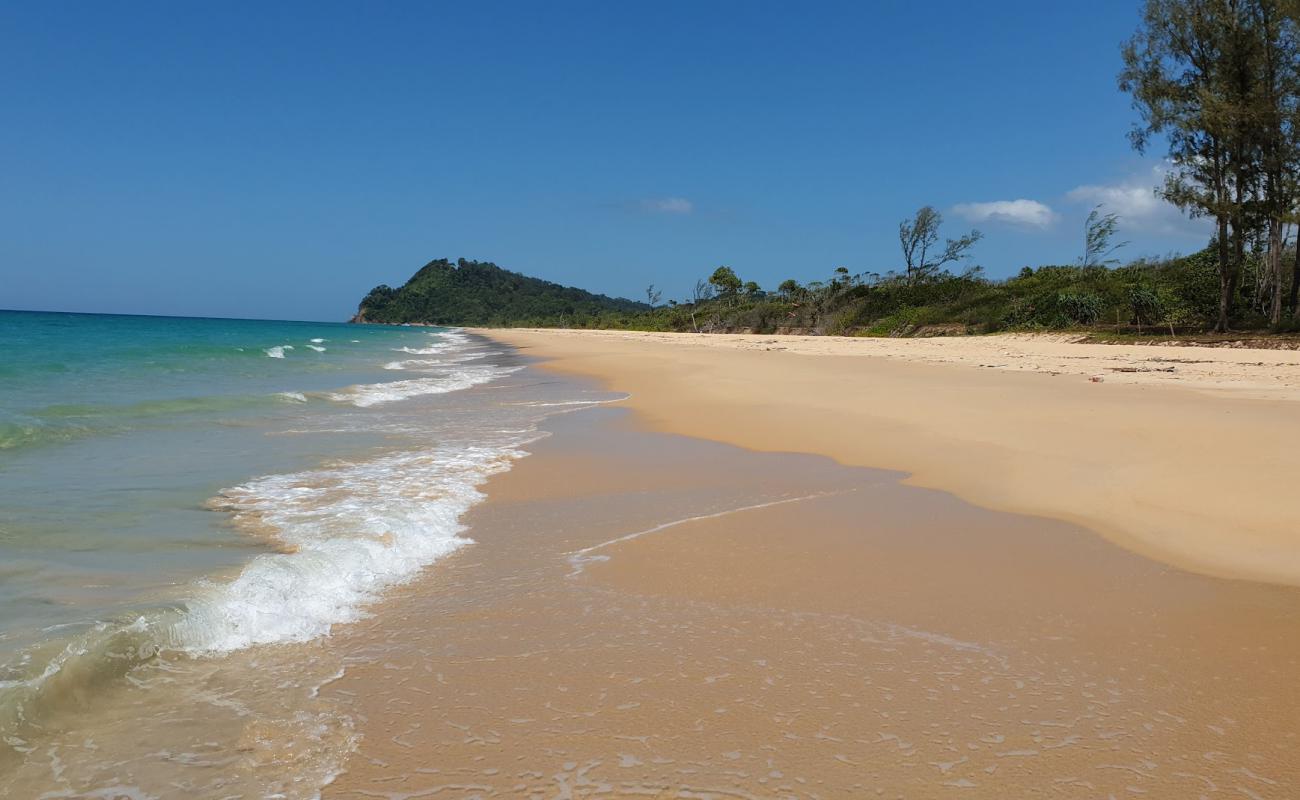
[1168, 295]
[1218, 81]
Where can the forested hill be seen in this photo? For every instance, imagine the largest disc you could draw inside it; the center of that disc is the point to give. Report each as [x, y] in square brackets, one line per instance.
[481, 293]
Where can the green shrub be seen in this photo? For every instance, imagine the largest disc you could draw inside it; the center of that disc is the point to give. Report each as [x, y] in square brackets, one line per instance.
[1147, 306]
[1083, 308]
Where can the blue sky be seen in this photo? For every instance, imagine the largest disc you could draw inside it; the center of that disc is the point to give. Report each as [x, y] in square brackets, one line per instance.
[280, 159]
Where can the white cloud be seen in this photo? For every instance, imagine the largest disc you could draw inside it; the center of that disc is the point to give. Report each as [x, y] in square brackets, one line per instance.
[1030, 213]
[1139, 208]
[1131, 200]
[668, 205]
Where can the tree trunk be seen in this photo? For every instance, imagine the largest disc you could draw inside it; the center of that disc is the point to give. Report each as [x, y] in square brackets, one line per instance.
[1294, 299]
[1238, 261]
[1275, 270]
[1226, 283]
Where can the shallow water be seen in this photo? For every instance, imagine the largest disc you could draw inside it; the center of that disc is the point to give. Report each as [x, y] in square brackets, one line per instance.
[181, 497]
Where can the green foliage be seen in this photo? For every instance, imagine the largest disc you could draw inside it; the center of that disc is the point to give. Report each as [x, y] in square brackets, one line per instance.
[899, 323]
[1188, 287]
[1098, 231]
[1177, 293]
[1218, 83]
[724, 281]
[480, 293]
[1083, 308]
[1148, 307]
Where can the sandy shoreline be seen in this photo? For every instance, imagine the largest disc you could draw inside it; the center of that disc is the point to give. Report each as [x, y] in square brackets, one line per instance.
[1229, 371]
[774, 625]
[1194, 467]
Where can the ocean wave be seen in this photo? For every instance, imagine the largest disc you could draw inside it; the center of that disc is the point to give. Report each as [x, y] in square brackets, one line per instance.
[349, 532]
[461, 358]
[277, 351]
[451, 335]
[70, 421]
[56, 680]
[316, 347]
[345, 533]
[423, 351]
[427, 363]
[14, 435]
[445, 341]
[151, 408]
[373, 394]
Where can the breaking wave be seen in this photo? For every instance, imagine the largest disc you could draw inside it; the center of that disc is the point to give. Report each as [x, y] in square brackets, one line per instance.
[372, 394]
[347, 532]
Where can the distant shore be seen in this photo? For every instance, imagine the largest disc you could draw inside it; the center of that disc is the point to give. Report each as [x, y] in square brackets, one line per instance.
[1184, 455]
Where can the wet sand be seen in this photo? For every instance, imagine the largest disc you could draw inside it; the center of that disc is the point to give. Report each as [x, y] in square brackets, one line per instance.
[647, 615]
[1195, 467]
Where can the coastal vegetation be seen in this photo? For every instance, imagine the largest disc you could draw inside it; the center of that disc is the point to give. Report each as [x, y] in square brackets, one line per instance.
[1218, 83]
[1172, 294]
[1179, 294]
[1215, 83]
[481, 293]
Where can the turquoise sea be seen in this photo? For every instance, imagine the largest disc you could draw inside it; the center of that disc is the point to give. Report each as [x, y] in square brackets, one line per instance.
[177, 493]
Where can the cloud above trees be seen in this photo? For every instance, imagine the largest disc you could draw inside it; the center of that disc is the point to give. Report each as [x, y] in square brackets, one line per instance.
[1133, 198]
[1022, 212]
[1138, 205]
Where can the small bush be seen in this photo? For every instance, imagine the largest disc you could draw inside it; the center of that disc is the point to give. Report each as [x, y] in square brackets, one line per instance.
[1083, 308]
[1147, 306]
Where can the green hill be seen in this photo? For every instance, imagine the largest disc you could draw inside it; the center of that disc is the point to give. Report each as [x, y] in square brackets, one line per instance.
[481, 293]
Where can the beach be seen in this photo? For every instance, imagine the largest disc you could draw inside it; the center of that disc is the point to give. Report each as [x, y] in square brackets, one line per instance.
[458, 564]
[652, 610]
[650, 615]
[377, 427]
[1183, 454]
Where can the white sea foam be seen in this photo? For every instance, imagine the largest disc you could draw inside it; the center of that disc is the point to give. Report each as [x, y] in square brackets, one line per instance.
[278, 351]
[446, 340]
[317, 341]
[461, 358]
[580, 558]
[351, 530]
[292, 397]
[372, 394]
[539, 404]
[423, 351]
[317, 348]
[428, 363]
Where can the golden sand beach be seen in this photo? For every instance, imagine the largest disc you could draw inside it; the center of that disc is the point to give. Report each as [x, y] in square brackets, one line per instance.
[650, 614]
[1185, 454]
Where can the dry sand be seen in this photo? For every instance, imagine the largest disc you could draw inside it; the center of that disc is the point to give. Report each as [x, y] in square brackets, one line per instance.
[1196, 466]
